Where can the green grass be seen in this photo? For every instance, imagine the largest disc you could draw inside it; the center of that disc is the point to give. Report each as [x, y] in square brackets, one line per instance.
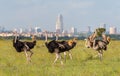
[83, 64]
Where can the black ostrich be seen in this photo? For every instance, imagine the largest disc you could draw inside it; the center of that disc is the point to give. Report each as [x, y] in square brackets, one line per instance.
[98, 45]
[24, 46]
[67, 46]
[58, 47]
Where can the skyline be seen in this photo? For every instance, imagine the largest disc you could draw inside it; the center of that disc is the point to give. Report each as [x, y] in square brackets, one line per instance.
[43, 13]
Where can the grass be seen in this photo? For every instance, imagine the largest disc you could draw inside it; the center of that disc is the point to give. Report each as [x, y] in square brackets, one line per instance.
[83, 64]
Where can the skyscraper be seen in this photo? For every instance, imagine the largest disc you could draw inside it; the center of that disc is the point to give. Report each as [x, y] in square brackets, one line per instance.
[37, 30]
[73, 30]
[113, 30]
[88, 29]
[20, 30]
[103, 25]
[59, 24]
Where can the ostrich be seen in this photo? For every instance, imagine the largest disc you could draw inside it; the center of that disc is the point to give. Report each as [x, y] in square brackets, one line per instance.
[58, 47]
[67, 43]
[98, 45]
[67, 46]
[24, 46]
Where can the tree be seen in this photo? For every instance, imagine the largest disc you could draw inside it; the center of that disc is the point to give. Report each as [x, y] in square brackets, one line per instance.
[100, 31]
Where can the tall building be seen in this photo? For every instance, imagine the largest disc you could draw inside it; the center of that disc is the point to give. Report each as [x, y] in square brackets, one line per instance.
[37, 29]
[88, 29]
[59, 24]
[112, 30]
[30, 30]
[73, 30]
[20, 30]
[103, 25]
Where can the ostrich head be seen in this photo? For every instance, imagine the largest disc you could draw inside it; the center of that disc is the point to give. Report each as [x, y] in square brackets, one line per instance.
[33, 38]
[15, 39]
[71, 42]
[89, 41]
[46, 36]
[75, 40]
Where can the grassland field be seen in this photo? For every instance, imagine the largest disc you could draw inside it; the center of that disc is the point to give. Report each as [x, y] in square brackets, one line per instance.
[84, 62]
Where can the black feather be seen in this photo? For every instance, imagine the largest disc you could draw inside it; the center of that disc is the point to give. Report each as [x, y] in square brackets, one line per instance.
[52, 45]
[19, 45]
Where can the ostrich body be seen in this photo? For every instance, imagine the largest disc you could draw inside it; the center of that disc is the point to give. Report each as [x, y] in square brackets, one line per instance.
[24, 47]
[58, 47]
[98, 45]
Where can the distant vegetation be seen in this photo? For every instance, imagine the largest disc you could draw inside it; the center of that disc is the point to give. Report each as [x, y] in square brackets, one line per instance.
[80, 37]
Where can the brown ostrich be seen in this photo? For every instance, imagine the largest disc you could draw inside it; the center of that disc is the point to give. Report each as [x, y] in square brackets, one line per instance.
[98, 45]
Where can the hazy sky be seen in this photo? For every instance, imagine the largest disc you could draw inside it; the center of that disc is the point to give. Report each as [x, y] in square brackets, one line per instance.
[43, 13]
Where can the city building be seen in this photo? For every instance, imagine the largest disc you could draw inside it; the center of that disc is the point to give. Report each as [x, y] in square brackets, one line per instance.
[20, 30]
[113, 30]
[59, 24]
[103, 25]
[73, 30]
[15, 30]
[37, 29]
[88, 29]
[30, 30]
